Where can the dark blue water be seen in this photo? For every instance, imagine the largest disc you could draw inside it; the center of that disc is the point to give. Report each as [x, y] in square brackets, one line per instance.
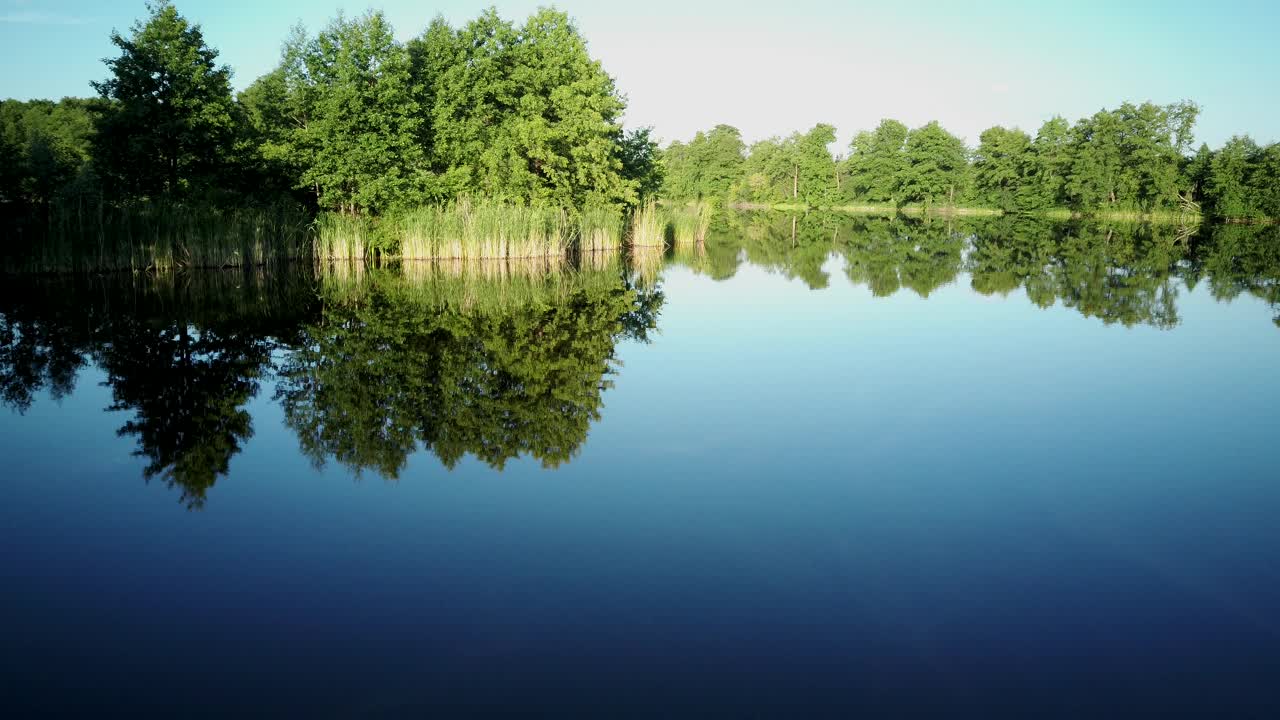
[747, 496]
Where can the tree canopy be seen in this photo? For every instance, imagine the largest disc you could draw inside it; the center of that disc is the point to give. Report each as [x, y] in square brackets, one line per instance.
[170, 125]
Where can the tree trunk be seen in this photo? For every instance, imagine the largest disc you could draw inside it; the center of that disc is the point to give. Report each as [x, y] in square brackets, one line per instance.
[795, 183]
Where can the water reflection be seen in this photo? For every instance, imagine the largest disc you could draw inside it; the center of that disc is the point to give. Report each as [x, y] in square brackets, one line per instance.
[369, 365]
[182, 354]
[503, 361]
[1126, 273]
[440, 358]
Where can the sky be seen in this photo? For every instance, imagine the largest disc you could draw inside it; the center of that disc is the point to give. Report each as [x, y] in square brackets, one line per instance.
[774, 68]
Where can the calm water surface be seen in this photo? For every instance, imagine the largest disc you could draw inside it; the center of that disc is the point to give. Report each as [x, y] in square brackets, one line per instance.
[846, 464]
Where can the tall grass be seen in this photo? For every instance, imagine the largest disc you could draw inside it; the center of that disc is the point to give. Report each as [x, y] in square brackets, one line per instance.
[648, 227]
[469, 229]
[690, 223]
[600, 229]
[342, 237]
[91, 236]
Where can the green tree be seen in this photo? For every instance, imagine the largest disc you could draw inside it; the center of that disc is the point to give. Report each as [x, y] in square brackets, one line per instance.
[1196, 171]
[1228, 182]
[709, 167]
[1049, 165]
[171, 123]
[799, 169]
[1264, 181]
[46, 148]
[641, 161]
[815, 178]
[355, 122]
[264, 144]
[1132, 157]
[523, 112]
[1000, 166]
[767, 172]
[936, 167]
[877, 161]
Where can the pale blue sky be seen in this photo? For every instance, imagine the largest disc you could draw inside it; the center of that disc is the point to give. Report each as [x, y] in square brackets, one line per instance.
[773, 68]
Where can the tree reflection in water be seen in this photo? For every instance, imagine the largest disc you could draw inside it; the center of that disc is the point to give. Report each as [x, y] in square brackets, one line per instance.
[509, 360]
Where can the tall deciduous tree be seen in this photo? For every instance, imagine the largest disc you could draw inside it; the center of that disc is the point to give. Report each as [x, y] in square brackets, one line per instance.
[1000, 166]
[523, 112]
[936, 166]
[877, 161]
[641, 161]
[1229, 177]
[1050, 161]
[356, 121]
[708, 167]
[171, 123]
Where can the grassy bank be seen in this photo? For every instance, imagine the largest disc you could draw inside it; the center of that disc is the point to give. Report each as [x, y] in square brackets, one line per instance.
[656, 225]
[647, 227]
[469, 229]
[689, 223]
[95, 237]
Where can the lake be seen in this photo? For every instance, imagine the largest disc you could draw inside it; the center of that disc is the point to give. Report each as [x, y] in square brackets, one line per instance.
[819, 465]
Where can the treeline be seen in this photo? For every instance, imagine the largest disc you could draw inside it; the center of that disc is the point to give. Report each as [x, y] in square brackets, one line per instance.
[351, 121]
[46, 150]
[356, 123]
[1135, 159]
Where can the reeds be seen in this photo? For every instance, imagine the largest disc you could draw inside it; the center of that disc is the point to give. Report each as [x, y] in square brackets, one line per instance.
[481, 229]
[342, 237]
[89, 236]
[600, 229]
[690, 223]
[648, 227]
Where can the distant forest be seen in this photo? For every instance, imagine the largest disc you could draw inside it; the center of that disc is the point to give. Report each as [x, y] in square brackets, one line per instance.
[356, 123]
[1135, 158]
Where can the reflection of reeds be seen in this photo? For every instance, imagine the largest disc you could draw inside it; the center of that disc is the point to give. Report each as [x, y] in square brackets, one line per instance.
[499, 270]
[691, 255]
[341, 280]
[228, 298]
[648, 227]
[646, 263]
[599, 260]
[487, 286]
